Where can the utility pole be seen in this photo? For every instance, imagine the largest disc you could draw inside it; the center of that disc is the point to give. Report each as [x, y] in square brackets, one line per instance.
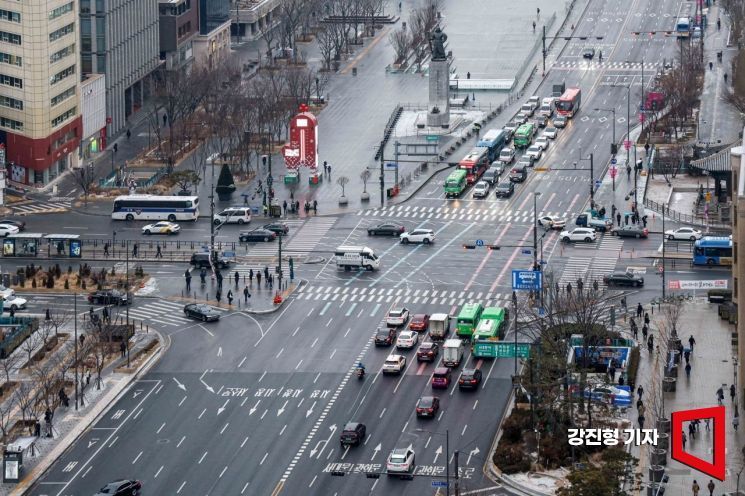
[213, 253]
[544, 50]
[514, 307]
[75, 313]
[447, 461]
[279, 266]
[126, 292]
[382, 173]
[663, 252]
[536, 194]
[457, 476]
[592, 182]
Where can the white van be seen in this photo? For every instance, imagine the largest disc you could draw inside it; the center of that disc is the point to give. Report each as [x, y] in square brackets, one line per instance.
[356, 256]
[547, 107]
[233, 215]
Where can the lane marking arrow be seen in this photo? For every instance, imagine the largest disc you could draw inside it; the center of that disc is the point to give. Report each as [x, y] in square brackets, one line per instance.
[282, 410]
[209, 388]
[474, 451]
[139, 392]
[375, 451]
[181, 386]
[222, 408]
[325, 442]
[219, 351]
[438, 452]
[309, 412]
[253, 408]
[92, 441]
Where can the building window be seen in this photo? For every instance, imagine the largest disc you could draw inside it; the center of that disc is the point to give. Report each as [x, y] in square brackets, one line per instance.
[63, 96]
[100, 7]
[63, 117]
[15, 39]
[63, 31]
[101, 63]
[86, 63]
[65, 52]
[55, 13]
[100, 34]
[62, 75]
[85, 6]
[6, 58]
[9, 102]
[7, 15]
[11, 81]
[11, 124]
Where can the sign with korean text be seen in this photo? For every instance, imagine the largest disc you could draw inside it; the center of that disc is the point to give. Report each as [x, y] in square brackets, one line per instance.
[699, 284]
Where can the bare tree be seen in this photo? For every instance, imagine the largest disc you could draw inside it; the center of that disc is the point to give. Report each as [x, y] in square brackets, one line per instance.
[269, 35]
[365, 176]
[325, 41]
[401, 41]
[45, 331]
[100, 350]
[24, 397]
[84, 177]
[185, 179]
[6, 416]
[9, 364]
[371, 9]
[47, 381]
[59, 318]
[342, 181]
[291, 12]
[30, 345]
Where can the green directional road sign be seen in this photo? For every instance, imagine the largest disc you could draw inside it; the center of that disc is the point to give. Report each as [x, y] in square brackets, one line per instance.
[507, 350]
[433, 138]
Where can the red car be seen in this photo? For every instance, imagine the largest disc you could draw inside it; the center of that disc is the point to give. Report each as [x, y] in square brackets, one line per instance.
[427, 406]
[427, 352]
[441, 378]
[419, 322]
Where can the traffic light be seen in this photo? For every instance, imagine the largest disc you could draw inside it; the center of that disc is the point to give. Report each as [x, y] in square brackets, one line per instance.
[469, 247]
[116, 147]
[613, 148]
[263, 159]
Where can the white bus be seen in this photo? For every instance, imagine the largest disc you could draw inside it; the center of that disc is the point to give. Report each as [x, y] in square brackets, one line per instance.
[154, 207]
[356, 256]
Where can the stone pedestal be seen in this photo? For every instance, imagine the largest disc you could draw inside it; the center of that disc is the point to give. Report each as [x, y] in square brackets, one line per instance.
[438, 112]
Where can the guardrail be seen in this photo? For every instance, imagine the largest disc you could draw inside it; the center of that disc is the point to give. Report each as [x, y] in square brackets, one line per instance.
[663, 209]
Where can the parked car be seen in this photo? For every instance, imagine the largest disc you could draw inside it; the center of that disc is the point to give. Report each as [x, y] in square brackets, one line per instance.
[164, 227]
[397, 316]
[481, 189]
[550, 132]
[427, 352]
[578, 234]
[419, 322]
[202, 312]
[535, 151]
[624, 278]
[123, 487]
[552, 222]
[588, 53]
[560, 121]
[630, 232]
[504, 189]
[278, 228]
[684, 233]
[427, 406]
[394, 364]
[385, 337]
[386, 229]
[255, 235]
[353, 434]
[425, 236]
[469, 379]
[110, 297]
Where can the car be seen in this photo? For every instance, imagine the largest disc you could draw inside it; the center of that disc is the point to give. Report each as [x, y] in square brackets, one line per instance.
[542, 141]
[546, 109]
[386, 229]
[586, 219]
[353, 434]
[588, 53]
[255, 235]
[122, 487]
[684, 233]
[550, 132]
[578, 234]
[278, 228]
[6, 292]
[469, 379]
[419, 322]
[427, 352]
[560, 121]
[401, 461]
[202, 312]
[510, 128]
[504, 189]
[164, 227]
[519, 173]
[608, 394]
[481, 189]
[425, 236]
[540, 120]
[394, 364]
[397, 316]
[427, 406]
[110, 297]
[441, 378]
[522, 117]
[8, 229]
[233, 215]
[202, 260]
[492, 175]
[535, 151]
[14, 302]
[630, 232]
[507, 155]
[527, 109]
[624, 278]
[552, 222]
[385, 337]
[527, 160]
[535, 100]
[407, 340]
[12, 222]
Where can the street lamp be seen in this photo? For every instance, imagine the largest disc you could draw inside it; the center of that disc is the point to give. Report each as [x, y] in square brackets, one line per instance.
[628, 137]
[591, 158]
[536, 267]
[613, 147]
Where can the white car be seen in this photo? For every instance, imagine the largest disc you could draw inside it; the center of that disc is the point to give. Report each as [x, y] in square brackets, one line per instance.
[541, 141]
[233, 215]
[528, 109]
[535, 152]
[14, 302]
[522, 117]
[507, 155]
[401, 461]
[397, 316]
[552, 222]
[394, 364]
[684, 233]
[535, 100]
[407, 339]
[550, 132]
[481, 189]
[7, 292]
[163, 227]
[425, 236]
[578, 234]
[8, 229]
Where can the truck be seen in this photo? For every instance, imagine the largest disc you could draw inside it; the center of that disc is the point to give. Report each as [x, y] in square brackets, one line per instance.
[439, 325]
[599, 224]
[356, 256]
[452, 352]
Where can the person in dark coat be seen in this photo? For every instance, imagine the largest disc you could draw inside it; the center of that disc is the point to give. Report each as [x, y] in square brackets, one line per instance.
[639, 310]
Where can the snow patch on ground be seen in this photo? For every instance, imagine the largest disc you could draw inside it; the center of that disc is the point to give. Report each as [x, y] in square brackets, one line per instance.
[150, 287]
[545, 482]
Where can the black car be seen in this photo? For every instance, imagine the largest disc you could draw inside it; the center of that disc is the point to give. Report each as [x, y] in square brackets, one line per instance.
[257, 235]
[505, 189]
[110, 297]
[589, 53]
[278, 228]
[469, 379]
[387, 229]
[121, 488]
[627, 278]
[427, 352]
[202, 260]
[540, 120]
[353, 434]
[18, 223]
[385, 337]
[427, 406]
[630, 232]
[202, 312]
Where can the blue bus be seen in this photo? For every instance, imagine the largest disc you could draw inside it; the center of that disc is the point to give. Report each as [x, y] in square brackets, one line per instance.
[683, 27]
[713, 250]
[494, 140]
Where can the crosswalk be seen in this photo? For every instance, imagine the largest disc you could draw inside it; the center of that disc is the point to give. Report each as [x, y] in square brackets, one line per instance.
[593, 267]
[636, 66]
[305, 235]
[42, 207]
[493, 213]
[269, 250]
[163, 312]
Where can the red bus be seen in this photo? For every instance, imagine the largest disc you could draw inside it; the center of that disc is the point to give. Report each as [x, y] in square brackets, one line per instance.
[569, 102]
[475, 164]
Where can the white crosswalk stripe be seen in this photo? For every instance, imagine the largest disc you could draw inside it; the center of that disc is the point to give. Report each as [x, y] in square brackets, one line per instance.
[600, 266]
[488, 214]
[162, 312]
[310, 234]
[42, 207]
[613, 243]
[266, 250]
[575, 268]
[356, 296]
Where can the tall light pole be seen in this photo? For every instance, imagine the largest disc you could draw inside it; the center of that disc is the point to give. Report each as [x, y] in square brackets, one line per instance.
[75, 316]
[447, 457]
[536, 267]
[628, 118]
[613, 148]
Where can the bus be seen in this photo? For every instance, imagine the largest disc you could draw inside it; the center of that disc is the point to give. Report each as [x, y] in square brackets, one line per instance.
[712, 250]
[569, 102]
[683, 27]
[455, 184]
[496, 313]
[475, 164]
[494, 140]
[524, 135]
[468, 319]
[154, 207]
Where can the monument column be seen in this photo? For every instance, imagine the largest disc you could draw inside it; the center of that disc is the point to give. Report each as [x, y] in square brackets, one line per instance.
[438, 112]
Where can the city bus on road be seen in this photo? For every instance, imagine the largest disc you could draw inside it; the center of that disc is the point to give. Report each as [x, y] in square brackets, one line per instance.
[524, 135]
[494, 140]
[455, 184]
[569, 102]
[712, 250]
[468, 319]
[683, 27]
[154, 207]
[475, 164]
[488, 333]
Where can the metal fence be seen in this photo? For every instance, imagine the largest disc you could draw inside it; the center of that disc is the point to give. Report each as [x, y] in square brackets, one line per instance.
[663, 209]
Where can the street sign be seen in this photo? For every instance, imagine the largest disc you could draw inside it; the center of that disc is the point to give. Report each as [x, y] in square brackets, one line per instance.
[698, 284]
[527, 251]
[439, 483]
[391, 165]
[613, 172]
[627, 144]
[598, 182]
[527, 280]
[642, 117]
[433, 138]
[479, 242]
[507, 350]
[613, 161]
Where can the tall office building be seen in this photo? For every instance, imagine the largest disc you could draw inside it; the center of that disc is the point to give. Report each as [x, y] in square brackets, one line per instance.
[40, 122]
[212, 43]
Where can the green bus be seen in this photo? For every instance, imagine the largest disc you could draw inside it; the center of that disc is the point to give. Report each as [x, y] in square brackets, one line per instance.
[468, 319]
[524, 135]
[455, 183]
[488, 332]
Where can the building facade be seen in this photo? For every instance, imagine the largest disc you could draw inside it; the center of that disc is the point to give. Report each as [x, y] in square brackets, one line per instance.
[738, 252]
[119, 38]
[179, 24]
[40, 122]
[212, 44]
[93, 98]
[252, 17]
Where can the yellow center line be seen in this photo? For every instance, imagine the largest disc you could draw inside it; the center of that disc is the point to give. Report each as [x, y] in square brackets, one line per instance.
[364, 52]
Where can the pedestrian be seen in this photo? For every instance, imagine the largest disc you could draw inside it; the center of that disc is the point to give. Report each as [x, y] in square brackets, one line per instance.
[628, 172]
[687, 355]
[315, 204]
[639, 310]
[105, 314]
[123, 349]
[569, 288]
[691, 431]
[635, 330]
[219, 280]
[325, 167]
[641, 410]
[719, 24]
[650, 344]
[218, 296]
[711, 485]
[641, 421]
[720, 395]
[468, 74]
[602, 212]
[644, 220]
[640, 391]
[265, 208]
[134, 250]
[600, 55]
[230, 297]
[688, 370]
[707, 422]
[105, 249]
[711, 66]
[158, 253]
[639, 403]
[692, 342]
[612, 372]
[246, 294]
[271, 281]
[618, 218]
[732, 392]
[284, 207]
[297, 206]
[626, 219]
[533, 28]
[736, 421]
[266, 272]
[129, 134]
[645, 331]
[725, 78]
[237, 278]
[684, 438]
[623, 304]
[251, 276]
[695, 488]
[258, 279]
[538, 11]
[165, 120]
[646, 318]
[187, 276]
[621, 380]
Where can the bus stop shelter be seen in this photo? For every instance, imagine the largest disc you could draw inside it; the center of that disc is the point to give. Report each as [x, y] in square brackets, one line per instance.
[64, 245]
[22, 245]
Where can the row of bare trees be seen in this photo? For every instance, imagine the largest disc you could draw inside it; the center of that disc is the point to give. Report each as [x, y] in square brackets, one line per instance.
[682, 87]
[414, 35]
[344, 22]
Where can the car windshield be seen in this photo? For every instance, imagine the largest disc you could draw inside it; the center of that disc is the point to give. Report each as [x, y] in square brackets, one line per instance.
[383, 333]
[426, 346]
[426, 402]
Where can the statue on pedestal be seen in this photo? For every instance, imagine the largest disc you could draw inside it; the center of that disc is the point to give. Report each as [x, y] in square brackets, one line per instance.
[437, 44]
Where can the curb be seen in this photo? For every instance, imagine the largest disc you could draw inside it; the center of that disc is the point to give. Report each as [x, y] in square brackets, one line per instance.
[301, 283]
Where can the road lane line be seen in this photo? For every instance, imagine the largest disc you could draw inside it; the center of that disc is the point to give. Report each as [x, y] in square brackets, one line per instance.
[200, 415]
[137, 458]
[329, 322]
[224, 427]
[181, 441]
[382, 413]
[223, 472]
[158, 472]
[273, 323]
[245, 440]
[300, 363]
[241, 364]
[486, 258]
[86, 471]
[296, 331]
[181, 487]
[325, 307]
[280, 352]
[263, 459]
[182, 401]
[375, 310]
[160, 428]
[202, 459]
[245, 487]
[351, 309]
[508, 265]
[345, 334]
